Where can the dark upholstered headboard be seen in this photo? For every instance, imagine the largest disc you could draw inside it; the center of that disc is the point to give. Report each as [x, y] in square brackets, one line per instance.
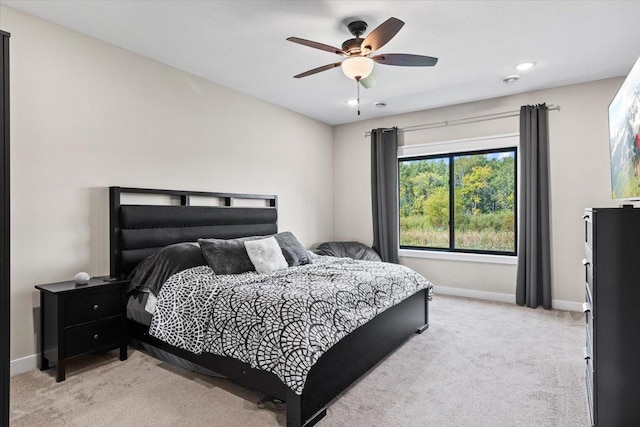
[139, 230]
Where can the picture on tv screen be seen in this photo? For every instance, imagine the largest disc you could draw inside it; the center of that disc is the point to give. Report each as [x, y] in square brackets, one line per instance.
[624, 138]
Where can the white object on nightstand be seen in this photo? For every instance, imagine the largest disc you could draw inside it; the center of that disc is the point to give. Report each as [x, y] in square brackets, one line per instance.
[82, 278]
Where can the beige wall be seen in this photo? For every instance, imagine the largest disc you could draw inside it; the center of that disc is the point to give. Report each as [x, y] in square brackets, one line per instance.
[86, 115]
[579, 169]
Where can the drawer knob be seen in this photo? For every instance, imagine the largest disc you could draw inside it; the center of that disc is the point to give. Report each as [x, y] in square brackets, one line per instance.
[95, 337]
[95, 307]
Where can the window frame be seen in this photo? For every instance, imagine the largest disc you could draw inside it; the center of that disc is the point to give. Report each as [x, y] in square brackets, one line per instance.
[450, 150]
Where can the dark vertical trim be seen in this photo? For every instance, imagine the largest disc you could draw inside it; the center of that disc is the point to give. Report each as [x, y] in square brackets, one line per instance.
[273, 203]
[5, 230]
[452, 203]
[114, 227]
[427, 298]
[516, 193]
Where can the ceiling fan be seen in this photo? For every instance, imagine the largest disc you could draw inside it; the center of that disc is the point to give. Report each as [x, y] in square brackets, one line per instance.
[358, 64]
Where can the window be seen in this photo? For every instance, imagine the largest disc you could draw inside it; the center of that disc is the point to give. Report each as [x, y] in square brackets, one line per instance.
[462, 201]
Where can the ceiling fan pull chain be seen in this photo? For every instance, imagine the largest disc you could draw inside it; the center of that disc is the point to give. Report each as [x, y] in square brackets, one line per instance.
[358, 85]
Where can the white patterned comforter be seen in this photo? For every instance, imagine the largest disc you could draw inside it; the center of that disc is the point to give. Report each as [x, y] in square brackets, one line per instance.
[281, 322]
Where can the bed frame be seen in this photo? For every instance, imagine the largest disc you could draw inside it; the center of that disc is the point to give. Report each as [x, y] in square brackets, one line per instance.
[137, 231]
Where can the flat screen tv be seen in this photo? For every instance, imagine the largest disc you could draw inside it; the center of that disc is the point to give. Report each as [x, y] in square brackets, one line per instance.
[624, 138]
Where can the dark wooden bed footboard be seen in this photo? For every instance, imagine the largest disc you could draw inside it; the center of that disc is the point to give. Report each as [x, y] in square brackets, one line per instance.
[336, 370]
[354, 355]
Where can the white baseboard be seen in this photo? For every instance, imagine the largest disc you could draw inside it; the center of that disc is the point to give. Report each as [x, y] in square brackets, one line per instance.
[469, 293]
[559, 304]
[495, 296]
[24, 364]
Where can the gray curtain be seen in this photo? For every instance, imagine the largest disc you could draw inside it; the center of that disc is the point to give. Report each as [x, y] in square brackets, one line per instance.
[384, 192]
[533, 286]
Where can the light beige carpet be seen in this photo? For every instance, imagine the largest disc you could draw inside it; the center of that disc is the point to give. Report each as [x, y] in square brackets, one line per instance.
[479, 364]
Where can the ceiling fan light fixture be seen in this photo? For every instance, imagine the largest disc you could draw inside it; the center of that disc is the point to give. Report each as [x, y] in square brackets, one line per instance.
[352, 102]
[357, 67]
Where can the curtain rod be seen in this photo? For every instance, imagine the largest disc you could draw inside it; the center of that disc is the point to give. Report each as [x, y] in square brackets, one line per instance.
[464, 121]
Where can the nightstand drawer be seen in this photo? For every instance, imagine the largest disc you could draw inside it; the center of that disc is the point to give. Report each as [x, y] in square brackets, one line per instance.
[93, 336]
[88, 307]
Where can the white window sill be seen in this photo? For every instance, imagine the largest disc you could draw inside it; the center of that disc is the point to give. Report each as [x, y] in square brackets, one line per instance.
[457, 256]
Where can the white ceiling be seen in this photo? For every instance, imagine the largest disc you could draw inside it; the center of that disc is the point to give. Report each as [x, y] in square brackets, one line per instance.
[241, 44]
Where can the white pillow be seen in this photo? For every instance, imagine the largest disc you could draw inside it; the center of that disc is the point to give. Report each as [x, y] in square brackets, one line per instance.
[266, 255]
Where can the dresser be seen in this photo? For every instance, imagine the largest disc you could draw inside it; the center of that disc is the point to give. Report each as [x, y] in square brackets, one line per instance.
[78, 319]
[612, 308]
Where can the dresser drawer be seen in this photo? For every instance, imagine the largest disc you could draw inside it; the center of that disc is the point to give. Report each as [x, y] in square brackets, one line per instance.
[588, 298]
[588, 276]
[88, 307]
[93, 336]
[588, 229]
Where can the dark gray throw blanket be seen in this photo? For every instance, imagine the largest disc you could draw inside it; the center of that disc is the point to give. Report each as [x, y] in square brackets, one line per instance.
[281, 322]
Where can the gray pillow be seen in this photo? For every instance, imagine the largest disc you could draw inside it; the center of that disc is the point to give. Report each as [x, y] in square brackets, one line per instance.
[227, 256]
[151, 273]
[292, 249]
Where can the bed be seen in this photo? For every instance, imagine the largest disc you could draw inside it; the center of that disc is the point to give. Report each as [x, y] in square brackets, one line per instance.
[138, 231]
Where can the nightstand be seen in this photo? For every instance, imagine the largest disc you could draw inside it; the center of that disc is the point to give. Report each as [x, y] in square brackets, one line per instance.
[78, 319]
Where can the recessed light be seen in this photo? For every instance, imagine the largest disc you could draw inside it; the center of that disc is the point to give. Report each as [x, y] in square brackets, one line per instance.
[352, 102]
[524, 66]
[510, 79]
[380, 104]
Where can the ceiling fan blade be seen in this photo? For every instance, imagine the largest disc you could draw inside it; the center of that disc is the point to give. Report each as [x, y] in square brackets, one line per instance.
[382, 34]
[368, 82]
[405, 60]
[317, 70]
[317, 45]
